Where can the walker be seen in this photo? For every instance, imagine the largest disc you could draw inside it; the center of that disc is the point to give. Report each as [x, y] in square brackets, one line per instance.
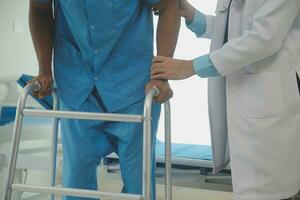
[145, 118]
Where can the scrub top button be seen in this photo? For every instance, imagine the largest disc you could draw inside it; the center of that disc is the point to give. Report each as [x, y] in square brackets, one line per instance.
[96, 78]
[93, 27]
[96, 51]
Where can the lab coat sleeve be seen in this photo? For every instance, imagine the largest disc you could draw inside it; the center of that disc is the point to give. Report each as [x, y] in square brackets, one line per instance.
[202, 25]
[204, 67]
[271, 24]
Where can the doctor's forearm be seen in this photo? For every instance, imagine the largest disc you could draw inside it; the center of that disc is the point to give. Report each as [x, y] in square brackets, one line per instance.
[168, 28]
[204, 67]
[42, 31]
[198, 24]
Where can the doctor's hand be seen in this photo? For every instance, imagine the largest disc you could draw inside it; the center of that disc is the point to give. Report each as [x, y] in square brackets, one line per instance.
[171, 69]
[46, 82]
[186, 10]
[166, 92]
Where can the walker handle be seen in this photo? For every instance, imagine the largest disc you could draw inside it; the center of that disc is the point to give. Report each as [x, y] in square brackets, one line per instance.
[156, 91]
[37, 86]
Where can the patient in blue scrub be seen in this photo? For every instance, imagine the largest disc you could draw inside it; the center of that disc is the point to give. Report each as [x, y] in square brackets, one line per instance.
[102, 57]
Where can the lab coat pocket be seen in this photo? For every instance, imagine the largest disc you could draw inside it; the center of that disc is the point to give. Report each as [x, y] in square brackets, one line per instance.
[262, 95]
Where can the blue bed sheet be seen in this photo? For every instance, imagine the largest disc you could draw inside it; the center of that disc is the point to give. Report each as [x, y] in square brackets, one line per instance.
[7, 115]
[186, 151]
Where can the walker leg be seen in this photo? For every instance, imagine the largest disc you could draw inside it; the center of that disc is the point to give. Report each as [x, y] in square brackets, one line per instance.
[147, 160]
[54, 155]
[168, 162]
[14, 150]
[54, 145]
[147, 145]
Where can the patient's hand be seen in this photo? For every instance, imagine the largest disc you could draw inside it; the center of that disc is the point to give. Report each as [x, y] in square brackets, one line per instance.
[166, 92]
[46, 82]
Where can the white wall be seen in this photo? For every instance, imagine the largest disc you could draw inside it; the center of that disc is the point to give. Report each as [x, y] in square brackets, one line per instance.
[16, 50]
[189, 106]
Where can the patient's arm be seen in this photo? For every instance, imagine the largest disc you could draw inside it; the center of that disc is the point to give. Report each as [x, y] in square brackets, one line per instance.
[167, 36]
[42, 31]
[168, 27]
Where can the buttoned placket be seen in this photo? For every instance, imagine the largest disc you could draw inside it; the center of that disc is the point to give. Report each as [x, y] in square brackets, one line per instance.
[96, 52]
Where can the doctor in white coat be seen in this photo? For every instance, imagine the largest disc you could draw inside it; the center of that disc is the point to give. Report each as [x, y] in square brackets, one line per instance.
[254, 95]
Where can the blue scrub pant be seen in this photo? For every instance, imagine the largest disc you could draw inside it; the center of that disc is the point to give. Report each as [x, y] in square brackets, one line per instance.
[85, 143]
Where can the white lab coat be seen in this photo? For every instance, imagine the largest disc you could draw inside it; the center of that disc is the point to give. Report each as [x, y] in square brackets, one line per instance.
[257, 106]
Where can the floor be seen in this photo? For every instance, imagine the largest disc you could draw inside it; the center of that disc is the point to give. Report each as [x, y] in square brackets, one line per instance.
[110, 182]
[179, 193]
[185, 186]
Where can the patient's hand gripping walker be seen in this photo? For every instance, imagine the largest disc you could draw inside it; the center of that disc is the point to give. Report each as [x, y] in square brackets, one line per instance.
[145, 119]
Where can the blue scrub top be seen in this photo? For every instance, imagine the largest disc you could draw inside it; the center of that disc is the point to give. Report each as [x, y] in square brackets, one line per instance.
[107, 44]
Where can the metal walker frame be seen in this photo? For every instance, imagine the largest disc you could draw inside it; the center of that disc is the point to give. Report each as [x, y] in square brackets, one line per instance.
[52, 190]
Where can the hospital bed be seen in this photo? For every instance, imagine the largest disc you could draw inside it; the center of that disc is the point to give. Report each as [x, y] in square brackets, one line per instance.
[191, 167]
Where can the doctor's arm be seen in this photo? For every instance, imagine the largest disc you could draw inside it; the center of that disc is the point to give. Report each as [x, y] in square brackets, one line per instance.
[173, 69]
[271, 24]
[167, 36]
[41, 28]
[201, 24]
